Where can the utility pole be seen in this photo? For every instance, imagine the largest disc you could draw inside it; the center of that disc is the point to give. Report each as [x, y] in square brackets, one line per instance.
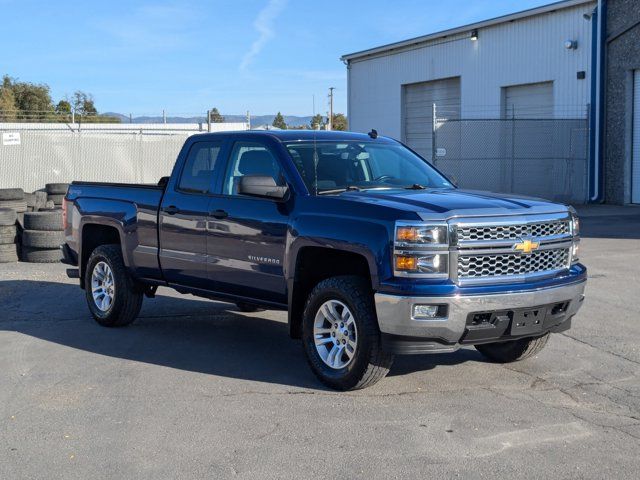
[248, 121]
[208, 120]
[130, 118]
[330, 121]
[164, 117]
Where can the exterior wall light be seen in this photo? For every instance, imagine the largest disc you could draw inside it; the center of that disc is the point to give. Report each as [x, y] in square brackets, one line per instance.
[571, 44]
[474, 35]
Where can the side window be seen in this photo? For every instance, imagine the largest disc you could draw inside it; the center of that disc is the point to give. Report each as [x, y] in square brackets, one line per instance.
[197, 172]
[249, 158]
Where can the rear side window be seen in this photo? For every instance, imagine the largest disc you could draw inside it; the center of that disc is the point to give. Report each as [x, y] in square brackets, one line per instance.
[197, 173]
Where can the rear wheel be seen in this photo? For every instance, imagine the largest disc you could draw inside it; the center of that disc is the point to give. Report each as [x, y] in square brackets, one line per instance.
[111, 294]
[514, 350]
[341, 337]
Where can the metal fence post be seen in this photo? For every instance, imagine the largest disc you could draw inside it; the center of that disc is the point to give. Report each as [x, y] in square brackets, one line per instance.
[513, 148]
[433, 133]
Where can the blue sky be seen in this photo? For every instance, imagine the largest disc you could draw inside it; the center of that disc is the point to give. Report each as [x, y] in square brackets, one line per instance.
[259, 55]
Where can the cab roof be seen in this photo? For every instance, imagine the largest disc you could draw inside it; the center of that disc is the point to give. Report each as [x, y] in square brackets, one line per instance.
[305, 135]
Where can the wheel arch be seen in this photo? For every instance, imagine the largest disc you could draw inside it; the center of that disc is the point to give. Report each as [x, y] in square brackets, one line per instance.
[316, 263]
[93, 235]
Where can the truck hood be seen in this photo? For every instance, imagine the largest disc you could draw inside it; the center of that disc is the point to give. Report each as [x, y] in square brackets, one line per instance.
[439, 204]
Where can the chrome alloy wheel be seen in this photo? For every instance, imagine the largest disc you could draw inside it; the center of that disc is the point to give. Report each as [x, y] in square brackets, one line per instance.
[102, 286]
[335, 334]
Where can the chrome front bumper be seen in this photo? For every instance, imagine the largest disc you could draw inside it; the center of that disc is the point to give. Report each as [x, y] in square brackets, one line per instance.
[395, 312]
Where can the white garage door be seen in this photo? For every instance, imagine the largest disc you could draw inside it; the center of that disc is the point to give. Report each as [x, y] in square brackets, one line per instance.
[533, 100]
[418, 111]
[635, 164]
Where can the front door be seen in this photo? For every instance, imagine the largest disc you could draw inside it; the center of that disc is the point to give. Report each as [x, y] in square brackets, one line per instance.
[246, 235]
[183, 218]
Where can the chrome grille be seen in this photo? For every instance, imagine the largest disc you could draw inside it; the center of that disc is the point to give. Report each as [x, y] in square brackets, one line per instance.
[512, 232]
[497, 265]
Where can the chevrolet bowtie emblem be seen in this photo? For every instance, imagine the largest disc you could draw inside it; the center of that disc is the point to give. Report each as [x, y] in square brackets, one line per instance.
[526, 246]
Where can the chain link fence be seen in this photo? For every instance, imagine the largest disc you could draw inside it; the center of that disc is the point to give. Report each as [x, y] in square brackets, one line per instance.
[33, 155]
[545, 158]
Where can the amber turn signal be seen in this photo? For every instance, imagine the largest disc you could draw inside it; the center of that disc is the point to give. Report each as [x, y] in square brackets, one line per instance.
[407, 234]
[405, 263]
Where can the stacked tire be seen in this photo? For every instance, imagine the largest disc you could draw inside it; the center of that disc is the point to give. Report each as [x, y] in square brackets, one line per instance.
[56, 192]
[42, 236]
[8, 235]
[13, 198]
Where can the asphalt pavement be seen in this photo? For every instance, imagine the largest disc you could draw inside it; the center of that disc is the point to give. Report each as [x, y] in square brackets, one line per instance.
[197, 389]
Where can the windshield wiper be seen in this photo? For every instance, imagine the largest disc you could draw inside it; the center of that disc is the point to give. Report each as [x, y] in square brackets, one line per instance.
[415, 186]
[350, 188]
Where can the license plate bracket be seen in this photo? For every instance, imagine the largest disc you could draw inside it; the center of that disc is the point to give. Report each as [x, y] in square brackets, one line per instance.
[529, 321]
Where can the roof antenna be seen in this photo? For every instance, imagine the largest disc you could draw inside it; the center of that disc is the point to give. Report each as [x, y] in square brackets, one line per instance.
[373, 133]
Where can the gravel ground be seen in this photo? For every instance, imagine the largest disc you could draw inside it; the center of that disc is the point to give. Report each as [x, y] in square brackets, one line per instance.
[197, 389]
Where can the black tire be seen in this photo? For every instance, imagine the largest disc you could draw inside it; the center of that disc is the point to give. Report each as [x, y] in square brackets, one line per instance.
[11, 194]
[18, 206]
[41, 255]
[8, 216]
[8, 253]
[49, 220]
[369, 363]
[248, 308]
[42, 239]
[56, 198]
[127, 299]
[514, 350]
[56, 188]
[8, 234]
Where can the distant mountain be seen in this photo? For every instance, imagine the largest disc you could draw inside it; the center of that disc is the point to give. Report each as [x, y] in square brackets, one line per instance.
[256, 120]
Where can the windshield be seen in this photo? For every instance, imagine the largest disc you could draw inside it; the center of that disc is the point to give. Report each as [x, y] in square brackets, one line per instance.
[333, 167]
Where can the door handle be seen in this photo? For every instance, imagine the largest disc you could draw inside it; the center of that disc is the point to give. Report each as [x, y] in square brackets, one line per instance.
[171, 210]
[219, 214]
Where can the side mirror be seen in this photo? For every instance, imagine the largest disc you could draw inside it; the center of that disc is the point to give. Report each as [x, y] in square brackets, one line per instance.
[261, 186]
[163, 182]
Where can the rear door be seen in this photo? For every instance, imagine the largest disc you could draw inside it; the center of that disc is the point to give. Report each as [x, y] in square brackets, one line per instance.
[247, 234]
[183, 216]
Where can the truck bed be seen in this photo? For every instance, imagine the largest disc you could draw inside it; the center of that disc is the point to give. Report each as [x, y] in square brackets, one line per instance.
[132, 209]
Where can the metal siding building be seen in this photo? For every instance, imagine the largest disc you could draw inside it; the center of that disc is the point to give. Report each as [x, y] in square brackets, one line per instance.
[518, 67]
[517, 49]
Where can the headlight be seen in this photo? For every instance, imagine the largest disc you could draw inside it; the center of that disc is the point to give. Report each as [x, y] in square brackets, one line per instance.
[436, 264]
[575, 222]
[575, 231]
[432, 235]
[575, 250]
[421, 251]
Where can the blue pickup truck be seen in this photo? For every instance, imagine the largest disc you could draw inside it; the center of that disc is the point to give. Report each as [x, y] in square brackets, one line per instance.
[369, 248]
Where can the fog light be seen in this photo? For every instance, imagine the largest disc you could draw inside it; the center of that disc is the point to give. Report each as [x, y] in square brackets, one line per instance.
[425, 311]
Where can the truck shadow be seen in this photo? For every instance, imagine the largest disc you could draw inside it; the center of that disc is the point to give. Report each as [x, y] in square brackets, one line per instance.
[182, 333]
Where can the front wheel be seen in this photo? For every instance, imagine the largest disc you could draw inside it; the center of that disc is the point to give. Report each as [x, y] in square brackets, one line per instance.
[341, 337]
[111, 295]
[513, 350]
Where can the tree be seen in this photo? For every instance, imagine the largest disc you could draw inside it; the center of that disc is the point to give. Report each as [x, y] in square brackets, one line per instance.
[32, 101]
[339, 122]
[317, 122]
[215, 116]
[63, 107]
[278, 122]
[7, 101]
[83, 103]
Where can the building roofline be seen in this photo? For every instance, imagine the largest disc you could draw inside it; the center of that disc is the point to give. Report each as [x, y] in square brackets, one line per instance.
[413, 42]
